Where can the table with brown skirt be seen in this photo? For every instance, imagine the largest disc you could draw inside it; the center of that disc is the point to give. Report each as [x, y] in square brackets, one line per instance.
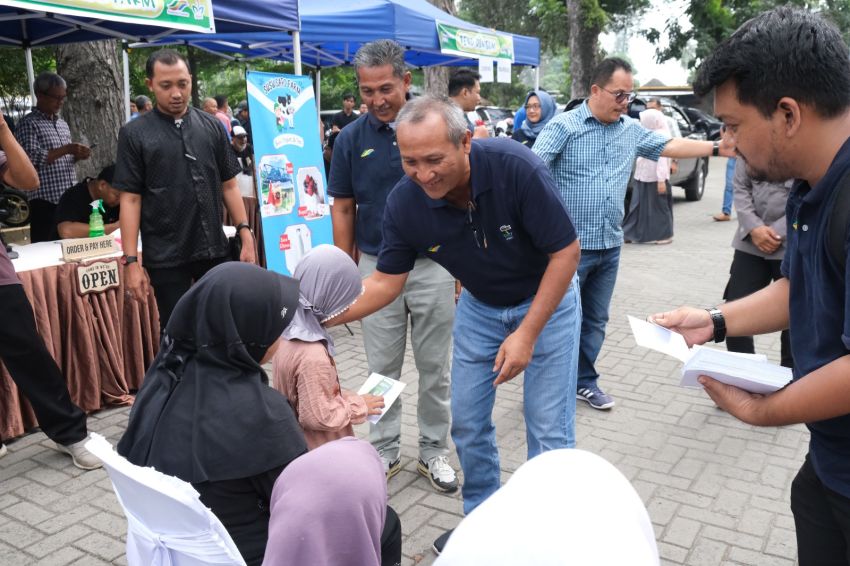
[102, 341]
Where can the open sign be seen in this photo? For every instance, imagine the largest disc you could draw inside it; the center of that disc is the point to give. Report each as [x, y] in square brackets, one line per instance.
[97, 276]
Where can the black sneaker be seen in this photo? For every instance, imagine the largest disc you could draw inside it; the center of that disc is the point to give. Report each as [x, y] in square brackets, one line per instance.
[595, 397]
[441, 541]
[391, 468]
[440, 473]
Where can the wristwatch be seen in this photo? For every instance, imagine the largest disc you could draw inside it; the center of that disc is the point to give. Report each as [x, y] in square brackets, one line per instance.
[715, 150]
[242, 225]
[719, 324]
[128, 259]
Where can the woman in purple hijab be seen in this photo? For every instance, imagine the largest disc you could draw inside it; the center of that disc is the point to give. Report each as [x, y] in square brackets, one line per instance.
[328, 508]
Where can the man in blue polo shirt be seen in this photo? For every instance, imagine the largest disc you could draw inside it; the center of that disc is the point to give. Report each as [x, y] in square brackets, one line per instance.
[488, 212]
[364, 168]
[792, 122]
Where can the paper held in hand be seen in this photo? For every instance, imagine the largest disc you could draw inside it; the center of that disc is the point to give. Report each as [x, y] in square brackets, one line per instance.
[750, 372]
[389, 388]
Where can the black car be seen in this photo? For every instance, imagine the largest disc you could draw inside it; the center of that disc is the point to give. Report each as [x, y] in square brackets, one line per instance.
[707, 122]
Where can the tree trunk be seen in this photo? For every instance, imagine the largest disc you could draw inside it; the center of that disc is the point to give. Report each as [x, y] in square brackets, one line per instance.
[94, 108]
[192, 58]
[437, 78]
[584, 38]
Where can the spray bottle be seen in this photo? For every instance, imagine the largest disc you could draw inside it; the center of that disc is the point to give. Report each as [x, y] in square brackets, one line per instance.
[96, 219]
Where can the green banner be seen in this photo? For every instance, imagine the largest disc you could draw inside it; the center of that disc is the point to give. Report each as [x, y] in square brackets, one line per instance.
[473, 43]
[192, 15]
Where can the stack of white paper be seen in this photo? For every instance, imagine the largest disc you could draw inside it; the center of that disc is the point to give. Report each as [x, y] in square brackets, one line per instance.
[751, 372]
[382, 386]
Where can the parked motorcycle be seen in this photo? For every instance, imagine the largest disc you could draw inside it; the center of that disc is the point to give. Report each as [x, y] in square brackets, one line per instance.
[14, 208]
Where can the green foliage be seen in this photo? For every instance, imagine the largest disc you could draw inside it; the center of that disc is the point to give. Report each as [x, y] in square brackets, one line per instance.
[712, 21]
[14, 86]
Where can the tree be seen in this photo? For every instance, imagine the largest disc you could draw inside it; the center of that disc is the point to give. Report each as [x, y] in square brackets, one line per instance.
[713, 21]
[14, 87]
[94, 108]
[437, 78]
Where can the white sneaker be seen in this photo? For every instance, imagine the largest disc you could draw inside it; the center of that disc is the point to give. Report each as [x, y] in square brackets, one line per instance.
[391, 467]
[440, 473]
[81, 457]
[3, 450]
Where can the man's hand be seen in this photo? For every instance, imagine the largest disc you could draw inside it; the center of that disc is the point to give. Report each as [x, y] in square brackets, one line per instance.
[247, 255]
[662, 188]
[458, 290]
[727, 147]
[766, 239]
[111, 227]
[740, 404]
[79, 151]
[374, 404]
[481, 131]
[694, 324]
[674, 166]
[513, 357]
[136, 282]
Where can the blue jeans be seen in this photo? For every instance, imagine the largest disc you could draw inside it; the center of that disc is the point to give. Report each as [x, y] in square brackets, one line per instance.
[728, 191]
[597, 273]
[549, 402]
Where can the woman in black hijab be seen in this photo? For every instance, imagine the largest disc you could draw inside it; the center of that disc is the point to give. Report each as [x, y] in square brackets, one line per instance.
[206, 413]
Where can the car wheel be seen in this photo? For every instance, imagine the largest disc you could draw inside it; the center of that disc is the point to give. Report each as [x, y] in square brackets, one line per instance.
[18, 207]
[695, 187]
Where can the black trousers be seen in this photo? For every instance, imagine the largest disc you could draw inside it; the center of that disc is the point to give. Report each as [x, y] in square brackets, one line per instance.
[34, 371]
[43, 221]
[748, 274]
[822, 520]
[171, 283]
[391, 539]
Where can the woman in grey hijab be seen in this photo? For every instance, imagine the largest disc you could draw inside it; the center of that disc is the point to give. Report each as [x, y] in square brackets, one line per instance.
[304, 368]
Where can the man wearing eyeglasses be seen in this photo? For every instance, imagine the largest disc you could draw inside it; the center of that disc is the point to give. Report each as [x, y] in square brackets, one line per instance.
[590, 151]
[488, 211]
[47, 140]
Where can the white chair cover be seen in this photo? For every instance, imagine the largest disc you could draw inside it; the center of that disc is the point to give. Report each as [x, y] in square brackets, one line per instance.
[167, 525]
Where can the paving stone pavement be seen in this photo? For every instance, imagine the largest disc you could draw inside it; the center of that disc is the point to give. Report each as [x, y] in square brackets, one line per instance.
[717, 490]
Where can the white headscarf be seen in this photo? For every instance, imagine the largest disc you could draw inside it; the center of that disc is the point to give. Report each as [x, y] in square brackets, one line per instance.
[563, 508]
[329, 284]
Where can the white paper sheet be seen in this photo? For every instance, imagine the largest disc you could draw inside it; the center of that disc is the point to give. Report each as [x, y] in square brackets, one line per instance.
[660, 339]
[485, 69]
[503, 71]
[378, 384]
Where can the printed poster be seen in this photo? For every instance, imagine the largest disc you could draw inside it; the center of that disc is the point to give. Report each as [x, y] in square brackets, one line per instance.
[290, 172]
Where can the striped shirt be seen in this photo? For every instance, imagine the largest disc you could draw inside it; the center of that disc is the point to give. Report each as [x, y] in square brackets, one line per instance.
[591, 163]
[38, 133]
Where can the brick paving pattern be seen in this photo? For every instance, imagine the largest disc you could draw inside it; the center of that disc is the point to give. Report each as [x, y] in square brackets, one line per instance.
[717, 490]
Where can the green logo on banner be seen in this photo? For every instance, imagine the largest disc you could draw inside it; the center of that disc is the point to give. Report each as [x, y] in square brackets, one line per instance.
[474, 43]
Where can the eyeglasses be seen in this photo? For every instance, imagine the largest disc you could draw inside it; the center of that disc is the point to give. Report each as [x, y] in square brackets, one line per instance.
[478, 234]
[532, 107]
[55, 97]
[620, 96]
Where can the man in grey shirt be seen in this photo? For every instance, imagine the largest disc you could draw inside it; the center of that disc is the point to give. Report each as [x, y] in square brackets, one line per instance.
[759, 246]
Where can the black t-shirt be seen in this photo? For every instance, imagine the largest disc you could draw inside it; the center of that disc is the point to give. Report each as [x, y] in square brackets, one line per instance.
[178, 171]
[75, 206]
[340, 120]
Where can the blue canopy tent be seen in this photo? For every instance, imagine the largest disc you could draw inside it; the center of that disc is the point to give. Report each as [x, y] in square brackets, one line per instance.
[333, 30]
[34, 27]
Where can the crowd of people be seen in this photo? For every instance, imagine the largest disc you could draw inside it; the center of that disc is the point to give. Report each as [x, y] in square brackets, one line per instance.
[498, 256]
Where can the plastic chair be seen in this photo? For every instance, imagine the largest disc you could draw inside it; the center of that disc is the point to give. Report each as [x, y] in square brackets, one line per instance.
[167, 525]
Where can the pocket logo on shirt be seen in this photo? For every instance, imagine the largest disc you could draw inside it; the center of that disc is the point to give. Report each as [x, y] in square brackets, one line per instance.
[434, 249]
[507, 231]
[367, 153]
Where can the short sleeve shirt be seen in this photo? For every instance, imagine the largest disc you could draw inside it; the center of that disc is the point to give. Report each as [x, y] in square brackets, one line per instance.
[498, 250]
[341, 120]
[7, 270]
[178, 171]
[75, 206]
[365, 166]
[38, 133]
[819, 306]
[591, 163]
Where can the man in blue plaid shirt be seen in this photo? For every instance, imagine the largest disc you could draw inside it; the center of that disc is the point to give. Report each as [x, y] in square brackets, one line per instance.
[590, 151]
[47, 140]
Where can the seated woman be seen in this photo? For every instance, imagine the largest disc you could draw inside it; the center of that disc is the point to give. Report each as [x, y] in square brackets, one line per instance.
[540, 107]
[205, 412]
[304, 368]
[326, 513]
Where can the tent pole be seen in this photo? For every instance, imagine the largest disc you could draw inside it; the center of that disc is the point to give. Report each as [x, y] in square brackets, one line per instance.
[30, 74]
[296, 50]
[125, 58]
[319, 88]
[537, 78]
